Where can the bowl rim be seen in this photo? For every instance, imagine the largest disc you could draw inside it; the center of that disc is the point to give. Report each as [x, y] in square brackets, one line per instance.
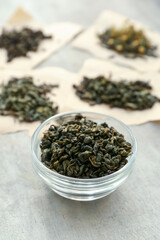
[86, 180]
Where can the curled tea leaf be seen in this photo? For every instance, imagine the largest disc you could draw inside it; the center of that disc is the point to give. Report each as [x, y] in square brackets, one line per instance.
[19, 43]
[91, 151]
[127, 41]
[26, 101]
[122, 94]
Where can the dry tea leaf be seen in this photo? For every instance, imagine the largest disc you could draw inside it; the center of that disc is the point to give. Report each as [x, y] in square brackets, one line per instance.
[19, 43]
[122, 94]
[127, 41]
[81, 148]
[26, 101]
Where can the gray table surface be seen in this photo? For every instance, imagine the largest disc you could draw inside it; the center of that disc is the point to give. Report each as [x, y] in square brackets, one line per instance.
[28, 209]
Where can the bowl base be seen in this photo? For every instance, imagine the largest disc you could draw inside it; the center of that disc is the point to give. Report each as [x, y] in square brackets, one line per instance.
[83, 197]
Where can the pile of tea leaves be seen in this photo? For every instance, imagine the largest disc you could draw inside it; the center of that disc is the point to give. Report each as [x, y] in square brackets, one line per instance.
[122, 94]
[81, 148]
[19, 43]
[21, 98]
[127, 41]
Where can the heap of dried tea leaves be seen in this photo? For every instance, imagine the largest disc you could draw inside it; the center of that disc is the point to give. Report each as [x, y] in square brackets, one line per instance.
[81, 148]
[19, 43]
[122, 94]
[128, 41]
[26, 101]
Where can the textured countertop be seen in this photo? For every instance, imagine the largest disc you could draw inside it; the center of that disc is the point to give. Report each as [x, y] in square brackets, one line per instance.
[28, 209]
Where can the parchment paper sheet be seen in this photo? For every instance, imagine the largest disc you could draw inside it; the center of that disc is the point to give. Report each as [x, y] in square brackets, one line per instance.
[89, 41]
[40, 76]
[93, 68]
[61, 33]
[67, 100]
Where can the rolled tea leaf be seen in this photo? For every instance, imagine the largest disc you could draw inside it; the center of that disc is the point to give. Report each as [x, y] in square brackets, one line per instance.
[81, 148]
[127, 41]
[19, 43]
[122, 94]
[26, 101]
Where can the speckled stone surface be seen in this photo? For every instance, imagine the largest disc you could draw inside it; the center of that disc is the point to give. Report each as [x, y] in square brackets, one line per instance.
[28, 209]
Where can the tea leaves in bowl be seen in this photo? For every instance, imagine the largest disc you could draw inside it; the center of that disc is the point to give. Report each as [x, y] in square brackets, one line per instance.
[82, 148]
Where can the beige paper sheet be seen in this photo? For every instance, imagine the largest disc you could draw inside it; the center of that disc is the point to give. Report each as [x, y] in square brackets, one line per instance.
[93, 68]
[61, 32]
[89, 41]
[45, 75]
[67, 100]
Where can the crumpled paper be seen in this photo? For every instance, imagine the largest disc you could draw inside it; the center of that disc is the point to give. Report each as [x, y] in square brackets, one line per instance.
[61, 33]
[94, 68]
[89, 41]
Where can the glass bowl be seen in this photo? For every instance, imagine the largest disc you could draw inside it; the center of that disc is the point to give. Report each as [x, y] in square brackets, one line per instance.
[82, 189]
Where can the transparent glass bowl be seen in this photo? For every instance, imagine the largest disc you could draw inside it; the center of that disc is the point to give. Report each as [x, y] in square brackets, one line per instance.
[82, 189]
